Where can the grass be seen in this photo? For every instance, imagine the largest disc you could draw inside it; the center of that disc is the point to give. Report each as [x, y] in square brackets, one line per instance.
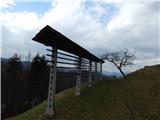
[136, 98]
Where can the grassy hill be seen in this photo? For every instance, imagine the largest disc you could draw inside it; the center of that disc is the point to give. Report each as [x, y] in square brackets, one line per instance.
[135, 98]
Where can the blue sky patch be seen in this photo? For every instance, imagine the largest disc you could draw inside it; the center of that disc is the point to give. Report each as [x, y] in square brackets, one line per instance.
[109, 10]
[38, 7]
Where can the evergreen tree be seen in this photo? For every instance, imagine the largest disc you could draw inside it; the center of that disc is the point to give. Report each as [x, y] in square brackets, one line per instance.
[38, 66]
[39, 76]
[14, 67]
[13, 88]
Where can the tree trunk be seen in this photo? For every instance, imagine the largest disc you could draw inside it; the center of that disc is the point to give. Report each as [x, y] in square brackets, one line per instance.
[122, 72]
[119, 68]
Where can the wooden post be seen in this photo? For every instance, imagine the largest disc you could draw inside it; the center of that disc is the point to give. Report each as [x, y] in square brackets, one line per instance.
[90, 74]
[100, 70]
[52, 84]
[95, 71]
[78, 83]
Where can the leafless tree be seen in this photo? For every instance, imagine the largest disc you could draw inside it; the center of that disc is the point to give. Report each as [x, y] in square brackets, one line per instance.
[119, 59]
[28, 57]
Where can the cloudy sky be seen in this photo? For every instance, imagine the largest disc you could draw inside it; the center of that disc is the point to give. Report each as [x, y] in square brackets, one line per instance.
[98, 25]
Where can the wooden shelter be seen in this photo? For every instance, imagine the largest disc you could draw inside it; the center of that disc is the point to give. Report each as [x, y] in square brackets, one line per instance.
[79, 55]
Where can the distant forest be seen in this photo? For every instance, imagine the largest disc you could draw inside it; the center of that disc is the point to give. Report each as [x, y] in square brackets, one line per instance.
[24, 84]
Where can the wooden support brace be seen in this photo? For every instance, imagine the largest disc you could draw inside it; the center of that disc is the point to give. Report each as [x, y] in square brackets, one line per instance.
[52, 84]
[78, 82]
[100, 70]
[90, 74]
[95, 71]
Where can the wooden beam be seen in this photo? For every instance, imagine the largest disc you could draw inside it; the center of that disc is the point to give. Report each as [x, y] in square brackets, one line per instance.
[52, 84]
[90, 74]
[95, 71]
[100, 70]
[67, 55]
[78, 82]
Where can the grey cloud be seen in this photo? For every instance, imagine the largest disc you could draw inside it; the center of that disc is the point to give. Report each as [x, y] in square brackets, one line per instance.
[141, 35]
[20, 42]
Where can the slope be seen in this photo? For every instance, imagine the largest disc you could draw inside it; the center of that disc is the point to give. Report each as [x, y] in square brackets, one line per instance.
[135, 98]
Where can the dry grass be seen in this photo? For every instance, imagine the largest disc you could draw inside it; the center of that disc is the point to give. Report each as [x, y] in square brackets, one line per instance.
[136, 98]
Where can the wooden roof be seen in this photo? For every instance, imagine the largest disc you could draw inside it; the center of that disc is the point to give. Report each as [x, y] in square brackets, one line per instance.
[50, 37]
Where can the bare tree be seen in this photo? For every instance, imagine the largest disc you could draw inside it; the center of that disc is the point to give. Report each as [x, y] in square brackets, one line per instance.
[28, 57]
[120, 59]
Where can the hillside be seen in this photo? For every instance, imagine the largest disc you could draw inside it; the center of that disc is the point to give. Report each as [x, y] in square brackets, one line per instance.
[136, 98]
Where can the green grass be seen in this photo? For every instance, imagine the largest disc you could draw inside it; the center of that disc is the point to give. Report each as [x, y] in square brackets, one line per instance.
[135, 98]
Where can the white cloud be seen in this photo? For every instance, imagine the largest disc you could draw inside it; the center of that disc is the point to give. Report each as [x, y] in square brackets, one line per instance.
[61, 9]
[18, 28]
[33, 0]
[6, 4]
[134, 26]
[19, 20]
[128, 1]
